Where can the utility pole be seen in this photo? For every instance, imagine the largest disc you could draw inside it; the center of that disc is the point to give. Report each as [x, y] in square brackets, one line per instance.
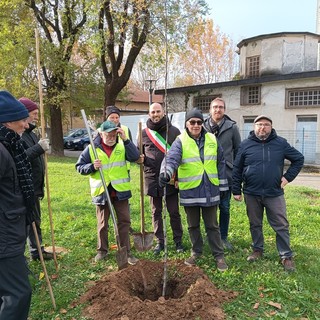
[151, 88]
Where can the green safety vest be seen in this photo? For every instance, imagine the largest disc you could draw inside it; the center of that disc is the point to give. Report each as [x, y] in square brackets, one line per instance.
[191, 170]
[114, 171]
[126, 131]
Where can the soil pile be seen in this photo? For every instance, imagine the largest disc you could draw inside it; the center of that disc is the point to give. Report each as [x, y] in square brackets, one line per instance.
[136, 293]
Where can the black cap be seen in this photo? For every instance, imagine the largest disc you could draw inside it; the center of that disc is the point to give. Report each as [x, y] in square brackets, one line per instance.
[194, 113]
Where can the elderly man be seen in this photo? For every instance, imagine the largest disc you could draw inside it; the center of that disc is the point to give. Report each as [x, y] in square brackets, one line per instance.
[16, 207]
[228, 135]
[201, 175]
[112, 158]
[153, 143]
[35, 148]
[259, 165]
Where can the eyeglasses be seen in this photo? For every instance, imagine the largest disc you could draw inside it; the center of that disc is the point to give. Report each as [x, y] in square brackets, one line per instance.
[198, 122]
[260, 125]
[217, 107]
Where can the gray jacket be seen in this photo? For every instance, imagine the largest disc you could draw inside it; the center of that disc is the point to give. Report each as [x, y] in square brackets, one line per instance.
[229, 139]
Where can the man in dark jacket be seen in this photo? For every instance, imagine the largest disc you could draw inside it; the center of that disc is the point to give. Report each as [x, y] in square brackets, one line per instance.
[35, 148]
[259, 165]
[153, 142]
[228, 135]
[16, 205]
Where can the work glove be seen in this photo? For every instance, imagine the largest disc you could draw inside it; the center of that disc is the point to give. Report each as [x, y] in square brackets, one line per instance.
[164, 179]
[44, 144]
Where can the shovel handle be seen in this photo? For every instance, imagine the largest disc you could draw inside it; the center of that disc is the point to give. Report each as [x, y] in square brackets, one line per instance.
[141, 180]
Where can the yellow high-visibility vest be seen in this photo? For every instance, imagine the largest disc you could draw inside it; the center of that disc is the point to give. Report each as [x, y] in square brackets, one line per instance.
[114, 171]
[191, 170]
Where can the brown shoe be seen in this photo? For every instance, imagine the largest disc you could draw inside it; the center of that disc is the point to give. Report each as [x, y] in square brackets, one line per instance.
[221, 265]
[254, 256]
[288, 264]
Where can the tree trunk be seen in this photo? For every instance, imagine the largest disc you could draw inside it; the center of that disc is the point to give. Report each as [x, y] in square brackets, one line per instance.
[111, 91]
[56, 131]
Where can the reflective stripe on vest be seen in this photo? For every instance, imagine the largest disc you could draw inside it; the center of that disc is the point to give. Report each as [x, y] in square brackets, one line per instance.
[191, 170]
[114, 171]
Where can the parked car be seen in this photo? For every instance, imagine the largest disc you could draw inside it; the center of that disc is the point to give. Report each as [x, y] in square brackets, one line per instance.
[83, 142]
[72, 135]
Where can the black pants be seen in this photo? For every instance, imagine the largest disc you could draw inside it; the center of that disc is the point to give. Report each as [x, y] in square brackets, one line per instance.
[15, 289]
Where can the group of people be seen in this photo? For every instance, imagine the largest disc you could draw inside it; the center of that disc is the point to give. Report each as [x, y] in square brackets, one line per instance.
[21, 188]
[202, 166]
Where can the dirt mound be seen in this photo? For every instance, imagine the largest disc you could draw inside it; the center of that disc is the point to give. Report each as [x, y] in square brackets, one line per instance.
[136, 293]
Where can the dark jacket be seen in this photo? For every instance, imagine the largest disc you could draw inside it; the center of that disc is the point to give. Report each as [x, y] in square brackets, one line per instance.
[206, 194]
[229, 139]
[259, 165]
[154, 157]
[35, 155]
[85, 167]
[12, 208]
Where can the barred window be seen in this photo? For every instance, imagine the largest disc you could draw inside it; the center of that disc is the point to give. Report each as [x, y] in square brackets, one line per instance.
[250, 95]
[203, 103]
[253, 67]
[309, 97]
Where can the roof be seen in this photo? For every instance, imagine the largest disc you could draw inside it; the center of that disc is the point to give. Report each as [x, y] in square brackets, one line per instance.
[245, 42]
[143, 96]
[243, 82]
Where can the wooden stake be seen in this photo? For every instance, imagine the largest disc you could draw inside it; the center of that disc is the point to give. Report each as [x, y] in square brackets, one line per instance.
[43, 135]
[43, 264]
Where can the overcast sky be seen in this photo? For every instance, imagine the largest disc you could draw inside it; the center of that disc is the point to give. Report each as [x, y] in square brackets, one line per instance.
[242, 19]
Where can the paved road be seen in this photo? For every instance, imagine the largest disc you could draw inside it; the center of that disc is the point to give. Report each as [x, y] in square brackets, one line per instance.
[311, 180]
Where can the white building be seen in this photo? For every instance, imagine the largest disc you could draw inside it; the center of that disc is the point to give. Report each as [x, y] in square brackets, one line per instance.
[278, 77]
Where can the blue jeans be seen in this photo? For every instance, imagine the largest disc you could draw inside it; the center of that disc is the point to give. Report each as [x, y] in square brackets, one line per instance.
[224, 216]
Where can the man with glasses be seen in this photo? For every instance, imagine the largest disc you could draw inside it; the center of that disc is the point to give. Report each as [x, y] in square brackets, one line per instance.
[228, 135]
[258, 172]
[201, 176]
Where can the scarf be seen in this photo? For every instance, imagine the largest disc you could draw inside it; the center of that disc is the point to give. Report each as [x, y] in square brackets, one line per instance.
[158, 126]
[214, 127]
[13, 143]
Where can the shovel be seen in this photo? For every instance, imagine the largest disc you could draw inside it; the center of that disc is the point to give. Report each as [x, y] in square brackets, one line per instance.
[142, 241]
[121, 254]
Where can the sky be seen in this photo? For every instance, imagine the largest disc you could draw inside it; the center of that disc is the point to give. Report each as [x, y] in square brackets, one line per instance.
[241, 19]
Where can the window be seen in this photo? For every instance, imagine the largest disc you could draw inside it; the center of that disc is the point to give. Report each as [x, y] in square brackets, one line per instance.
[306, 97]
[250, 95]
[253, 67]
[203, 103]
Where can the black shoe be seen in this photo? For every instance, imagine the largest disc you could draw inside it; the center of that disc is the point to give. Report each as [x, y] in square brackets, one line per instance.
[158, 248]
[179, 247]
[46, 256]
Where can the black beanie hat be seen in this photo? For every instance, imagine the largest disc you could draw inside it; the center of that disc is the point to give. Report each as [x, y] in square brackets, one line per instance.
[112, 109]
[194, 113]
[11, 109]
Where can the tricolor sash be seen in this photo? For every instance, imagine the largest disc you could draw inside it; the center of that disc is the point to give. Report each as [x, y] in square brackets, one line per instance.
[158, 140]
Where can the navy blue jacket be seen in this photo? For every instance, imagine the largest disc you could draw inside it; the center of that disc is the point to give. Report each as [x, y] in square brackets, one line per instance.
[259, 165]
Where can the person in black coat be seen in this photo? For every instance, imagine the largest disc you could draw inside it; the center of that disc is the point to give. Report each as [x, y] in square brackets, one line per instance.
[35, 148]
[16, 205]
[258, 172]
[153, 143]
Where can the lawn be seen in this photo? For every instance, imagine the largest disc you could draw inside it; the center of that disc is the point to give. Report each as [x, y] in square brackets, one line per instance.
[265, 290]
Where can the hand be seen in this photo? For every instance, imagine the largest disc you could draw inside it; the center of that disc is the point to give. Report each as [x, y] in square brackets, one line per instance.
[122, 134]
[141, 159]
[284, 182]
[164, 179]
[237, 197]
[44, 144]
[97, 164]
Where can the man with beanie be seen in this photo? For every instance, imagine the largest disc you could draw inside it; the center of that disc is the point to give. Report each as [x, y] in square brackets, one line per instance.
[228, 135]
[35, 148]
[16, 207]
[153, 144]
[112, 157]
[198, 158]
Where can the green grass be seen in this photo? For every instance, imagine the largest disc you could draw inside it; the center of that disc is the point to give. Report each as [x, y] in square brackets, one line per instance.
[261, 282]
